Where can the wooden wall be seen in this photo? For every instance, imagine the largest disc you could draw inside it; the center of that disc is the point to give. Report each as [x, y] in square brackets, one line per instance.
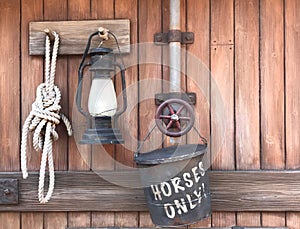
[252, 48]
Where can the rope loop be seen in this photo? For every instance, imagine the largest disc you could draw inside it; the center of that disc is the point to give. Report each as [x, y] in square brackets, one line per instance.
[42, 120]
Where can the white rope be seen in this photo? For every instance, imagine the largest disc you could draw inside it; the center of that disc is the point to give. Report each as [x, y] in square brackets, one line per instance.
[43, 118]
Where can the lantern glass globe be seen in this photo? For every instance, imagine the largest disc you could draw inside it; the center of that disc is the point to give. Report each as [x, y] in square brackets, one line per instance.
[102, 100]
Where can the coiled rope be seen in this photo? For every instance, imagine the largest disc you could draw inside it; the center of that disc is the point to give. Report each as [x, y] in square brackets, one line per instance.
[43, 118]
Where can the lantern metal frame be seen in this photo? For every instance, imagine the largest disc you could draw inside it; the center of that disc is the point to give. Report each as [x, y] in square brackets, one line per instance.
[103, 132]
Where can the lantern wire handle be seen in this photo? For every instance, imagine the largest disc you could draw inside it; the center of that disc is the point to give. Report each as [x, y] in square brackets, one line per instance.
[83, 65]
[118, 46]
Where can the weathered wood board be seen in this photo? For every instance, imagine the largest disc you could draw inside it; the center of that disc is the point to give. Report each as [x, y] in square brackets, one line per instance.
[247, 86]
[230, 190]
[10, 83]
[74, 35]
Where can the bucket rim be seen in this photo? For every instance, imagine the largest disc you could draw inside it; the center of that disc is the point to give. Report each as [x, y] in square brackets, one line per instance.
[170, 154]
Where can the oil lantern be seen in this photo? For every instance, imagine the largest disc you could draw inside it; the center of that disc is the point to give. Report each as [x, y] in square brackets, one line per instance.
[103, 110]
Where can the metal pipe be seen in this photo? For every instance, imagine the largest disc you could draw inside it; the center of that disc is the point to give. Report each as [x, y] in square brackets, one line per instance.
[174, 47]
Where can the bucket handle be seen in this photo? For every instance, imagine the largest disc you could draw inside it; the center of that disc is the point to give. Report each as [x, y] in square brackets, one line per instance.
[203, 139]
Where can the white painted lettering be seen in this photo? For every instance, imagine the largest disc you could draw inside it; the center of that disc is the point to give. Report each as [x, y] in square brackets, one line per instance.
[192, 206]
[166, 189]
[181, 207]
[156, 192]
[176, 183]
[203, 188]
[198, 194]
[202, 170]
[170, 211]
[196, 175]
[186, 177]
[179, 185]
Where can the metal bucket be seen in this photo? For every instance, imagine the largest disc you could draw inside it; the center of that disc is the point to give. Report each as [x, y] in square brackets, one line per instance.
[176, 184]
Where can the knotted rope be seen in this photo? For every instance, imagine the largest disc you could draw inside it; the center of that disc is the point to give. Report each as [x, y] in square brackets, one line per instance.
[43, 118]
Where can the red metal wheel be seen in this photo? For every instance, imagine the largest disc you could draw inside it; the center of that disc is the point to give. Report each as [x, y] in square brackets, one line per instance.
[175, 117]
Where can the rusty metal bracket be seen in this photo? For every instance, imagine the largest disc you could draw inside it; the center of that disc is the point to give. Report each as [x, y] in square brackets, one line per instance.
[189, 97]
[174, 36]
[9, 191]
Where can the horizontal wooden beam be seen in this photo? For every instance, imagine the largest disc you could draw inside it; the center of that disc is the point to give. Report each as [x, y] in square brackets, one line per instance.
[74, 35]
[230, 191]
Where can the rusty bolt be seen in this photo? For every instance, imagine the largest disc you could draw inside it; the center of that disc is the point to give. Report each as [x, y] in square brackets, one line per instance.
[6, 191]
[159, 37]
[189, 37]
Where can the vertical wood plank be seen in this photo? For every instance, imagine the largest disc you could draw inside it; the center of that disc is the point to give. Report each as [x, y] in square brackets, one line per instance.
[272, 84]
[222, 73]
[246, 87]
[57, 220]
[124, 154]
[247, 84]
[57, 10]
[292, 64]
[32, 75]
[127, 219]
[32, 220]
[103, 219]
[272, 94]
[293, 220]
[102, 156]
[79, 219]
[205, 223]
[200, 49]
[145, 220]
[222, 150]
[77, 10]
[248, 219]
[223, 219]
[10, 96]
[273, 219]
[9, 220]
[10, 84]
[102, 9]
[198, 79]
[149, 13]
[222, 22]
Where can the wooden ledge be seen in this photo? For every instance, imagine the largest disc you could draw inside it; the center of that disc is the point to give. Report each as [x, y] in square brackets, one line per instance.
[231, 191]
[74, 35]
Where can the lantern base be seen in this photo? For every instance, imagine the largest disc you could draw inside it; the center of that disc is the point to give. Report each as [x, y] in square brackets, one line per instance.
[102, 133]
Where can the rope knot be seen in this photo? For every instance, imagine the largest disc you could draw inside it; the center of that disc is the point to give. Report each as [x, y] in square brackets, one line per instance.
[43, 118]
[46, 105]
